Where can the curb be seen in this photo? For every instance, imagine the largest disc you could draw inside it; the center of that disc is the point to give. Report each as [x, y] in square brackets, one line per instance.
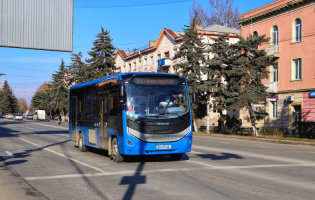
[279, 141]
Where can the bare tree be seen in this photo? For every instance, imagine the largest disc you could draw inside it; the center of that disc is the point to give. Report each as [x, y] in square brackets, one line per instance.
[200, 13]
[43, 87]
[23, 105]
[221, 12]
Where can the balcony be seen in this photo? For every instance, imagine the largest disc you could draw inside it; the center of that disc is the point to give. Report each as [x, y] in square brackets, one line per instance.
[271, 86]
[165, 62]
[273, 51]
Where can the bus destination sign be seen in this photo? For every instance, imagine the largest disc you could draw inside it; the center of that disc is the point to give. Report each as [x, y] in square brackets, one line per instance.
[155, 81]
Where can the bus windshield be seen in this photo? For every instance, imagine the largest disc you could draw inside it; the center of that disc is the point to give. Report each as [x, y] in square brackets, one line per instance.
[146, 101]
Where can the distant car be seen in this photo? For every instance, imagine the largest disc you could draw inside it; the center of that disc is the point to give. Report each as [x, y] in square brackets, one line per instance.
[47, 118]
[18, 117]
[30, 117]
[56, 118]
[3, 116]
[24, 116]
[10, 116]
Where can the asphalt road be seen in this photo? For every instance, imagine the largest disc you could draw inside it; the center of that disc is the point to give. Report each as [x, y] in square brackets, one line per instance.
[40, 162]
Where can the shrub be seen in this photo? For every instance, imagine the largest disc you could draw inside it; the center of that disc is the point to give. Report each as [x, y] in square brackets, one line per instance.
[273, 132]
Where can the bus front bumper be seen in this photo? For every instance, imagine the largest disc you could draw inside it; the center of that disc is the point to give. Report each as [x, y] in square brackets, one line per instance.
[133, 146]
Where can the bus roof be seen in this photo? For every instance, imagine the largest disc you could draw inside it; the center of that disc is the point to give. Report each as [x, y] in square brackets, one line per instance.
[123, 76]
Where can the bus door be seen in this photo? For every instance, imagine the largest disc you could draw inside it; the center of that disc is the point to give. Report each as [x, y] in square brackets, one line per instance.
[103, 128]
[73, 115]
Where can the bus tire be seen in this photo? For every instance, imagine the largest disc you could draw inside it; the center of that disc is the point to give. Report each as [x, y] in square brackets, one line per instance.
[117, 157]
[82, 147]
[177, 156]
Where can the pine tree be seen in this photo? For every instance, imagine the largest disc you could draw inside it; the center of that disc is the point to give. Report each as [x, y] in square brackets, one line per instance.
[234, 75]
[8, 101]
[192, 49]
[77, 69]
[101, 63]
[59, 93]
[251, 71]
[216, 71]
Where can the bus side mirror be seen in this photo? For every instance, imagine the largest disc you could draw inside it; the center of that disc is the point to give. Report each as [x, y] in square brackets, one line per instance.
[194, 97]
[122, 94]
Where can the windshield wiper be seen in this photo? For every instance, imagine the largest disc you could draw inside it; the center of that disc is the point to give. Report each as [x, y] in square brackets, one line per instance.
[180, 116]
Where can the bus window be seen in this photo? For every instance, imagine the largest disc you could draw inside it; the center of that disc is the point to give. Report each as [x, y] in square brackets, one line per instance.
[115, 105]
[94, 107]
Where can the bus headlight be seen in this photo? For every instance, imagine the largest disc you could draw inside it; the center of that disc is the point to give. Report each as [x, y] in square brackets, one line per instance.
[129, 143]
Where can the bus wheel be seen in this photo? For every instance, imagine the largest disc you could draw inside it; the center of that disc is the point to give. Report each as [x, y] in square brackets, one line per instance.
[82, 147]
[117, 157]
[177, 156]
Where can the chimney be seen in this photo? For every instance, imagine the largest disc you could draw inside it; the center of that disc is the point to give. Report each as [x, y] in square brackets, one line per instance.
[151, 43]
[198, 26]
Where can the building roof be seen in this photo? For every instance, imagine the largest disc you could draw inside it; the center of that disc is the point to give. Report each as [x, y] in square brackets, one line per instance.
[271, 8]
[221, 29]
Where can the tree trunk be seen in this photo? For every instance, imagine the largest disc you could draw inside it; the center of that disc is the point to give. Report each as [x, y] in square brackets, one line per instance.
[195, 125]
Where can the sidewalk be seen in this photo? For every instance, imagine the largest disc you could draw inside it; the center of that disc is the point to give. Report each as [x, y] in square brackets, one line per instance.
[13, 186]
[272, 140]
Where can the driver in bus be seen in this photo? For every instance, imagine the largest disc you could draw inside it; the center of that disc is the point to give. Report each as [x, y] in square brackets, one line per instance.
[166, 103]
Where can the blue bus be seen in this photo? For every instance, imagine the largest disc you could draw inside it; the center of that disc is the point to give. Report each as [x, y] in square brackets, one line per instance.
[132, 114]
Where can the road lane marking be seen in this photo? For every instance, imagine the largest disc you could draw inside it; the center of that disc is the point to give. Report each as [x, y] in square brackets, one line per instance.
[9, 155]
[50, 126]
[62, 155]
[224, 142]
[221, 150]
[199, 163]
[166, 170]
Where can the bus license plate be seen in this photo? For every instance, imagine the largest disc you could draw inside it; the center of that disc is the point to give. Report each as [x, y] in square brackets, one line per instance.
[163, 147]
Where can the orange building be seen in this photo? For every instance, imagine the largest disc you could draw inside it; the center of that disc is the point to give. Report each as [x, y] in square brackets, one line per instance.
[290, 25]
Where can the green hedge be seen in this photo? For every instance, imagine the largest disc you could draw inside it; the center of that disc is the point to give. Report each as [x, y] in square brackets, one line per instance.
[272, 132]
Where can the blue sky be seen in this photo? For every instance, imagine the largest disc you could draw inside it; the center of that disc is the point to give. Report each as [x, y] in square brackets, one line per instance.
[27, 69]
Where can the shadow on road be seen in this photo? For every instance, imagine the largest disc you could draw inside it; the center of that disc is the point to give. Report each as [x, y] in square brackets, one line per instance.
[223, 156]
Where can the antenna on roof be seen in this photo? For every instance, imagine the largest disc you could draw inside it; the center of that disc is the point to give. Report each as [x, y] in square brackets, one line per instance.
[128, 49]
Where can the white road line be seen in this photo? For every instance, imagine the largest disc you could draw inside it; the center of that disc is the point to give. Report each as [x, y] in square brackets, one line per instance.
[62, 155]
[222, 150]
[9, 155]
[165, 170]
[51, 126]
[224, 142]
[199, 163]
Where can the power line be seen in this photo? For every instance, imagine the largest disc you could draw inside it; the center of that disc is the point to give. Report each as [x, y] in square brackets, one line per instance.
[114, 44]
[139, 5]
[25, 69]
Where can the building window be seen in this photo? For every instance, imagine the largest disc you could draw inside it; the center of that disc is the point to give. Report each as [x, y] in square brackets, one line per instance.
[297, 69]
[167, 54]
[174, 52]
[145, 63]
[275, 35]
[159, 56]
[151, 61]
[139, 64]
[298, 30]
[274, 109]
[129, 68]
[134, 66]
[275, 73]
[255, 35]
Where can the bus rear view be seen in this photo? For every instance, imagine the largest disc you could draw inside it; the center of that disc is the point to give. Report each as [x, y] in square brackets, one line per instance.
[138, 114]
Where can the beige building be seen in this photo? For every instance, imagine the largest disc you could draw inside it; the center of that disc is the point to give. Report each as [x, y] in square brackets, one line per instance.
[157, 55]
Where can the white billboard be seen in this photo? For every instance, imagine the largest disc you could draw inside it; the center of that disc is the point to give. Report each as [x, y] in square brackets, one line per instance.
[37, 24]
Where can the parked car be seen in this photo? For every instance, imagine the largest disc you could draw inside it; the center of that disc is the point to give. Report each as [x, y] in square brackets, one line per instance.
[30, 116]
[18, 117]
[56, 118]
[10, 116]
[24, 116]
[47, 118]
[3, 116]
